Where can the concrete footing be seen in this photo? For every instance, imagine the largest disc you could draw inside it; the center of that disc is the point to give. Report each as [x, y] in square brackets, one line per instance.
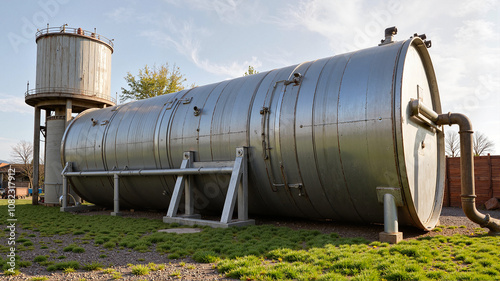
[391, 238]
[80, 208]
[215, 224]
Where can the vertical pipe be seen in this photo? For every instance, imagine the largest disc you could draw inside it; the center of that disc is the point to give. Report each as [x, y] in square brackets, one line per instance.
[64, 193]
[69, 111]
[390, 214]
[468, 189]
[116, 198]
[36, 156]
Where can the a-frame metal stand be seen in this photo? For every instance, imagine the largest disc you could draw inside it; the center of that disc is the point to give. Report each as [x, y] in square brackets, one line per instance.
[238, 189]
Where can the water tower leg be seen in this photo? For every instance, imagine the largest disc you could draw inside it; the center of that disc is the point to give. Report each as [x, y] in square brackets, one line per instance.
[36, 157]
[391, 198]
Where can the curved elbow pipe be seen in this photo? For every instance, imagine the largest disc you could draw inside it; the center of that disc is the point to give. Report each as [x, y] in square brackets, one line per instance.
[467, 172]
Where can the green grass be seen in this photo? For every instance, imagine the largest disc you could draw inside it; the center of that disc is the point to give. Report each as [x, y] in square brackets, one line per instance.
[39, 278]
[93, 266]
[155, 267]
[140, 269]
[64, 266]
[116, 275]
[40, 258]
[263, 252]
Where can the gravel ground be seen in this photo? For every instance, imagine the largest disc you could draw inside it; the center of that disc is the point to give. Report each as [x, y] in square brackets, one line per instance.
[187, 269]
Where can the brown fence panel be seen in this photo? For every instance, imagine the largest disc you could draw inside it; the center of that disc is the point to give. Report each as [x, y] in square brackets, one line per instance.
[486, 178]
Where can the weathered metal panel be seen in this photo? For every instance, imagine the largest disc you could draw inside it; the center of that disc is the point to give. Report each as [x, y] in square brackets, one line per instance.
[73, 64]
[53, 180]
[320, 143]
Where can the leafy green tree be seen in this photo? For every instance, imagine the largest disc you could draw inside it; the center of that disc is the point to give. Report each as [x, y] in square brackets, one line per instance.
[152, 82]
[250, 71]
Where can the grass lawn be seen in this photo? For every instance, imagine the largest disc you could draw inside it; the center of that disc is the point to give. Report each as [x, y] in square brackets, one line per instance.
[263, 252]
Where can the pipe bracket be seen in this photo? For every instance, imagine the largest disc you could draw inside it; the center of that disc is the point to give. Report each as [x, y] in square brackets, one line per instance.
[394, 191]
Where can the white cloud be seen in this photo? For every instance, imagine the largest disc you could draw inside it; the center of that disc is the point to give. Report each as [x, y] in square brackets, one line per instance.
[466, 8]
[467, 66]
[477, 29]
[347, 25]
[11, 104]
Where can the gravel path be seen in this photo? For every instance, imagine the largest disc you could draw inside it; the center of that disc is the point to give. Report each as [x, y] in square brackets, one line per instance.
[452, 221]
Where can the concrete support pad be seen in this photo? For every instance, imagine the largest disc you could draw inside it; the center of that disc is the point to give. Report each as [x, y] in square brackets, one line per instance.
[216, 224]
[116, 214]
[193, 216]
[391, 238]
[181, 230]
[80, 208]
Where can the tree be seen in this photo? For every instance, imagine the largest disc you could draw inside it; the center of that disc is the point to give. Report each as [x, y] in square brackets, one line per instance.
[250, 71]
[152, 82]
[22, 153]
[452, 144]
[482, 145]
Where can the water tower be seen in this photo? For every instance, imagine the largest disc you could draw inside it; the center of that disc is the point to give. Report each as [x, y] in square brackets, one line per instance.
[73, 74]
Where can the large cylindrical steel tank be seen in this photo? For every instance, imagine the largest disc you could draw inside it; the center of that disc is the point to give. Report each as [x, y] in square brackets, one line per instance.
[73, 74]
[53, 181]
[322, 136]
[73, 62]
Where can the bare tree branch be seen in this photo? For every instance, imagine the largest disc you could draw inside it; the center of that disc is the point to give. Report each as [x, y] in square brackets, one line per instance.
[452, 144]
[22, 153]
[482, 145]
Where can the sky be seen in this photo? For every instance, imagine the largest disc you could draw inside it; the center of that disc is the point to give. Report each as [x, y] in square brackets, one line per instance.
[216, 40]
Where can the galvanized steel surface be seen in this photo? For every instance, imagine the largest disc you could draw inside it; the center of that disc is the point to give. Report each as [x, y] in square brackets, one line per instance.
[72, 63]
[53, 181]
[322, 136]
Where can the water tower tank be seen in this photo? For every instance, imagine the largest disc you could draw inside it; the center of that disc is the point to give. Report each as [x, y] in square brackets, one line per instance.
[321, 137]
[73, 74]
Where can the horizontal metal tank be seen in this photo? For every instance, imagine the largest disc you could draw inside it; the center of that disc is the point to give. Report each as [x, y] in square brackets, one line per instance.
[321, 136]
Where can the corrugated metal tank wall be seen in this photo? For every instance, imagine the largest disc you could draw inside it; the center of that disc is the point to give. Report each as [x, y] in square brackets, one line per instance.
[53, 168]
[70, 61]
[341, 131]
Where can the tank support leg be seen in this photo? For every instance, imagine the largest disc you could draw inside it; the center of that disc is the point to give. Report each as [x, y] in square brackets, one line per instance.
[116, 198]
[391, 198]
[237, 193]
[238, 187]
[64, 193]
[186, 182]
[64, 203]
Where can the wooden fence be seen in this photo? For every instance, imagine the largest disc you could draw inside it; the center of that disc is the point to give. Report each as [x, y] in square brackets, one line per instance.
[486, 176]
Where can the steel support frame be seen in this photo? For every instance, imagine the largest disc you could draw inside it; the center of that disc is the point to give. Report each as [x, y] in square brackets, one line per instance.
[66, 192]
[237, 192]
